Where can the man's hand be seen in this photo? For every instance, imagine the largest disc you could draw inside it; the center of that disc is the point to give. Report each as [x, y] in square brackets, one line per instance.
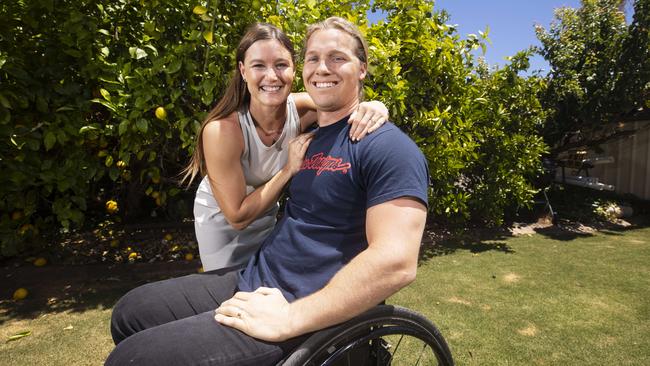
[263, 314]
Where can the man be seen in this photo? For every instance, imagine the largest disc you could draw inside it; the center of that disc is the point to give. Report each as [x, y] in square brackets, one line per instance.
[348, 240]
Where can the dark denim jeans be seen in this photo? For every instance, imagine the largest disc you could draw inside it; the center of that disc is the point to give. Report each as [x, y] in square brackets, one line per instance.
[172, 322]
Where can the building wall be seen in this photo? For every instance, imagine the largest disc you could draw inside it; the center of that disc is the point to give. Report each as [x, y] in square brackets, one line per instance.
[630, 171]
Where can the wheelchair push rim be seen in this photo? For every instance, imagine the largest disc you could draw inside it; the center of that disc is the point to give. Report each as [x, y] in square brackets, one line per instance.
[330, 346]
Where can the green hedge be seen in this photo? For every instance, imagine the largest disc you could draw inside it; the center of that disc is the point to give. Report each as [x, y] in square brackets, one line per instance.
[80, 83]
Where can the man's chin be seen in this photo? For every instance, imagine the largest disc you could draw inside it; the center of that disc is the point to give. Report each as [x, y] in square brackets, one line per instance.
[327, 107]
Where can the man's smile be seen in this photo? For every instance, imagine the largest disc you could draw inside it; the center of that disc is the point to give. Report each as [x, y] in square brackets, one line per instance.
[322, 85]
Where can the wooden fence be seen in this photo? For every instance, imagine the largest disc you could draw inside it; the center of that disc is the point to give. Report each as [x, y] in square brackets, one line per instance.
[630, 171]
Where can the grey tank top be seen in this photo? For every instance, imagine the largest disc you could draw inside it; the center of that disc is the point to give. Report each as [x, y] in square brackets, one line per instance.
[220, 245]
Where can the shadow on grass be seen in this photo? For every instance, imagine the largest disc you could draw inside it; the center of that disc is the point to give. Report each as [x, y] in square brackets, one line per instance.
[567, 231]
[477, 240]
[78, 288]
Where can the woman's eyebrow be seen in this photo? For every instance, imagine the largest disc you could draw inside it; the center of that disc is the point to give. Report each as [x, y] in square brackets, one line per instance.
[259, 60]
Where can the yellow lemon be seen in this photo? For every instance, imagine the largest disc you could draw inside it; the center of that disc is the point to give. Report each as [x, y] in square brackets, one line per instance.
[168, 237]
[189, 257]
[155, 180]
[16, 215]
[40, 262]
[155, 194]
[133, 256]
[161, 113]
[111, 207]
[120, 164]
[20, 294]
[199, 10]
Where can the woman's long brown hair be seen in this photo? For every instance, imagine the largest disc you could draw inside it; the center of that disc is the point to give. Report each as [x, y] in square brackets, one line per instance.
[236, 95]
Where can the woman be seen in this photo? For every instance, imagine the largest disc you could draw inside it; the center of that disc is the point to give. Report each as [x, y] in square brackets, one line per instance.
[249, 146]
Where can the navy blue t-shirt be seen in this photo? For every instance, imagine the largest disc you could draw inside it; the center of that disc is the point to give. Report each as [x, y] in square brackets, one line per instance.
[323, 226]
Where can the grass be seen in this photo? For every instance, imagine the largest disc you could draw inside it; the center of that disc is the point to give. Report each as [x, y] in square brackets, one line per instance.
[535, 300]
[66, 338]
[527, 300]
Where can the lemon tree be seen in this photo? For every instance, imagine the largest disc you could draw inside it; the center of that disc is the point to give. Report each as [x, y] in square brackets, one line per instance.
[100, 103]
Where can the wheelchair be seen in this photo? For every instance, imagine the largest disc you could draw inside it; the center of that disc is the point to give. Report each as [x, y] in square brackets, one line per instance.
[386, 335]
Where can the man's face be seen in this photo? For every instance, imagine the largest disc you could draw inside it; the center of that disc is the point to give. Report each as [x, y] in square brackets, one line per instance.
[332, 71]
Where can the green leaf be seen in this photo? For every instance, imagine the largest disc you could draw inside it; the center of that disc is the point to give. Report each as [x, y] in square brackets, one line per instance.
[173, 66]
[153, 49]
[85, 129]
[110, 81]
[113, 173]
[137, 53]
[142, 125]
[50, 140]
[106, 104]
[123, 127]
[104, 32]
[72, 52]
[105, 94]
[4, 102]
[207, 35]
[149, 27]
[109, 161]
[18, 336]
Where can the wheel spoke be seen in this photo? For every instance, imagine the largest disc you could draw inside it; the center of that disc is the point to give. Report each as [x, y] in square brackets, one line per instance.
[424, 346]
[397, 346]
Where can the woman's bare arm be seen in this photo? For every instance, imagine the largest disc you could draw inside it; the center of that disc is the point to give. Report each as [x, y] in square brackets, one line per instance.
[223, 145]
[368, 117]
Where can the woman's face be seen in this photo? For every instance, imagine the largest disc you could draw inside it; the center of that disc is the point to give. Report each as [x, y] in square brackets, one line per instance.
[268, 71]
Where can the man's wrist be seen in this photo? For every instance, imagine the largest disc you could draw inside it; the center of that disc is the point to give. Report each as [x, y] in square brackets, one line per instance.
[296, 324]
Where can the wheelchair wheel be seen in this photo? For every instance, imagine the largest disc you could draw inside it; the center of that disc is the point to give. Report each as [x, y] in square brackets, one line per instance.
[385, 335]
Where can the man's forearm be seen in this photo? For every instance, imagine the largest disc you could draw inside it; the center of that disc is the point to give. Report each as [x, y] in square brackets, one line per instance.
[363, 283]
[388, 264]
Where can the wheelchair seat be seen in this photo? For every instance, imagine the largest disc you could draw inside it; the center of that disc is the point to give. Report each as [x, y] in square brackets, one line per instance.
[384, 335]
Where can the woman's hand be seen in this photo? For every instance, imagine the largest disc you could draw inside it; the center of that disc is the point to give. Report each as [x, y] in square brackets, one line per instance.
[297, 149]
[368, 117]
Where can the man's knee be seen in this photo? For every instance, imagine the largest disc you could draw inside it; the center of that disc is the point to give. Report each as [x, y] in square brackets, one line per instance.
[127, 311]
[131, 351]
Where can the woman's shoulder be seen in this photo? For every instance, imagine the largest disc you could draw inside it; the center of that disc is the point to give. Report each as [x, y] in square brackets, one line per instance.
[223, 127]
[224, 134]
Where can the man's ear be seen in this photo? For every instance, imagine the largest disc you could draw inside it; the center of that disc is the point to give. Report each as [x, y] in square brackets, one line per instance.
[363, 70]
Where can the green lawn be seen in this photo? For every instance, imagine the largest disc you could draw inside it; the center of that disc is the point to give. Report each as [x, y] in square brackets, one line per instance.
[528, 300]
[533, 300]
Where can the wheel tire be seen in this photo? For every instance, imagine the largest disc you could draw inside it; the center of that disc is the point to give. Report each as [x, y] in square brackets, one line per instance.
[325, 346]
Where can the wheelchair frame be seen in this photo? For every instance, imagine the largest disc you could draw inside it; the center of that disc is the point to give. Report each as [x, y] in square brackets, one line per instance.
[326, 347]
